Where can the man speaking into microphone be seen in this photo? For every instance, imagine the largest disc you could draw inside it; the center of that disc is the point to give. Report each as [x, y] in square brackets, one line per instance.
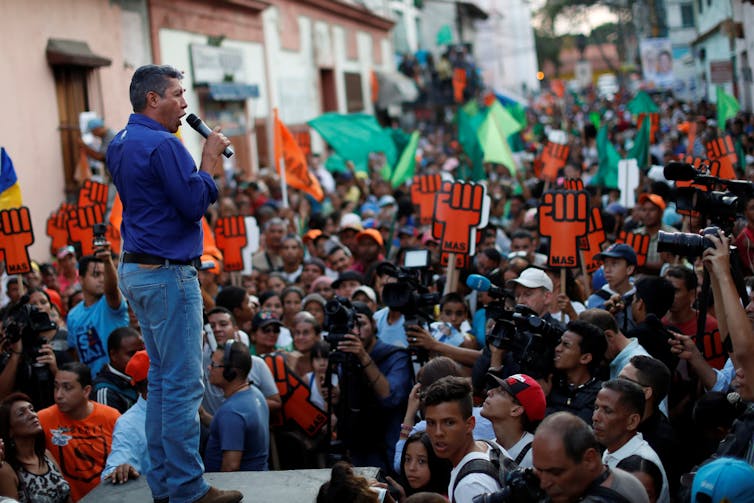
[164, 199]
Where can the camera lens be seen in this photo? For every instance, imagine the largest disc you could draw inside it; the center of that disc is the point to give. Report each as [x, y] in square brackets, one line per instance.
[682, 243]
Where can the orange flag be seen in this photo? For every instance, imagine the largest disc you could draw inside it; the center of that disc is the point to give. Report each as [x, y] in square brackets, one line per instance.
[209, 236]
[297, 173]
[116, 218]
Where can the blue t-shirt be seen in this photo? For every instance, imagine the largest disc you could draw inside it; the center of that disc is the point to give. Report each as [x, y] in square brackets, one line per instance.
[242, 423]
[394, 334]
[89, 328]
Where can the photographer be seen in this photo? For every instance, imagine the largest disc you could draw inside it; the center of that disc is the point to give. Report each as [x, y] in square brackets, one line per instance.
[717, 262]
[510, 346]
[28, 361]
[381, 384]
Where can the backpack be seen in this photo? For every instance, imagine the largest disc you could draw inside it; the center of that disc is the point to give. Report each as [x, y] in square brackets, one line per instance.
[497, 467]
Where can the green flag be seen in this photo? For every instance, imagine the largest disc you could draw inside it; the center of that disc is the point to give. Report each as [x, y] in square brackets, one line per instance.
[518, 112]
[354, 137]
[607, 172]
[468, 120]
[642, 104]
[494, 142]
[444, 35]
[640, 149]
[400, 138]
[336, 164]
[406, 166]
[505, 122]
[727, 107]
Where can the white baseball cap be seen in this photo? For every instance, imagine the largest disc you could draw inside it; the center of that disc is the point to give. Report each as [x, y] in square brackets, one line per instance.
[534, 278]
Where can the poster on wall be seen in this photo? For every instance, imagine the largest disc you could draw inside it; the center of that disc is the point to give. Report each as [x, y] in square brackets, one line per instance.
[657, 62]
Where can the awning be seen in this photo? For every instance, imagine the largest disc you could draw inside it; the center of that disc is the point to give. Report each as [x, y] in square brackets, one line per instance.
[231, 91]
[73, 53]
[394, 89]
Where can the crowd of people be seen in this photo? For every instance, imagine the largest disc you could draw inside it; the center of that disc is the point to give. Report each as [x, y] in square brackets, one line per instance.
[580, 387]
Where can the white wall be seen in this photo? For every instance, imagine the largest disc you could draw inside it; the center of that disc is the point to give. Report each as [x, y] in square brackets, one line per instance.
[174, 50]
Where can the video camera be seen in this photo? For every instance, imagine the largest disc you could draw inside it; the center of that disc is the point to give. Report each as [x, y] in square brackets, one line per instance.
[410, 294]
[530, 338]
[27, 323]
[340, 320]
[721, 207]
[521, 486]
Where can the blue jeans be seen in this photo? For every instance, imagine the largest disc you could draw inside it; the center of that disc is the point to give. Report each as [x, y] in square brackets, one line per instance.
[168, 304]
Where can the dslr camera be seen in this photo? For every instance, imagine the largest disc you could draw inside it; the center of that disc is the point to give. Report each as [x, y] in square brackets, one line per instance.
[521, 486]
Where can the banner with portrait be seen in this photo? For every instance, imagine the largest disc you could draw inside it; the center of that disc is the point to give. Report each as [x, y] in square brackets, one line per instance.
[657, 62]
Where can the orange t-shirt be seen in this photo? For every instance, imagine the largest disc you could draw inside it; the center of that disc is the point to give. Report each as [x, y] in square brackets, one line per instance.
[80, 447]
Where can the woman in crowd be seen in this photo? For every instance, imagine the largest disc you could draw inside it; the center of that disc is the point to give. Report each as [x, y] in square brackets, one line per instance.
[314, 304]
[291, 297]
[272, 301]
[421, 469]
[305, 336]
[35, 476]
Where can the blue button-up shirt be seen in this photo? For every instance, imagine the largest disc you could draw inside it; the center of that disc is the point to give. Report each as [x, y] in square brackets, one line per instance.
[164, 195]
[130, 441]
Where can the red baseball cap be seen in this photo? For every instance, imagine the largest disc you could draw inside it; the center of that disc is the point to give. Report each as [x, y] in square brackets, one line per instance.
[525, 390]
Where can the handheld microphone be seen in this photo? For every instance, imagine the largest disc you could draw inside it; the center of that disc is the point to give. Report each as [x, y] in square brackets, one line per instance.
[483, 284]
[201, 128]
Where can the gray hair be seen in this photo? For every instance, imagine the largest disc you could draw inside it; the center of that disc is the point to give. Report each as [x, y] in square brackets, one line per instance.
[150, 78]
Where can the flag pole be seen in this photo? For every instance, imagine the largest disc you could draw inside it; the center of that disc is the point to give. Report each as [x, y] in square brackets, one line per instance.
[281, 161]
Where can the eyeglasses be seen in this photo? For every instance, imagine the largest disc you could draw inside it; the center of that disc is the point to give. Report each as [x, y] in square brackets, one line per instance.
[271, 330]
[215, 365]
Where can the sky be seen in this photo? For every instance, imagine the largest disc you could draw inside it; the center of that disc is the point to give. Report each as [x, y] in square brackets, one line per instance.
[596, 16]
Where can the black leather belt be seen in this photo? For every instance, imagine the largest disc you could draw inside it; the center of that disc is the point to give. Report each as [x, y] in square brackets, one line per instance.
[143, 258]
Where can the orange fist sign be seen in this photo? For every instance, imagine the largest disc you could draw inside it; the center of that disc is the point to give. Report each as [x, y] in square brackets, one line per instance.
[459, 208]
[230, 235]
[573, 184]
[563, 216]
[16, 237]
[639, 242]
[81, 222]
[93, 193]
[57, 227]
[423, 191]
[554, 157]
[592, 243]
[722, 150]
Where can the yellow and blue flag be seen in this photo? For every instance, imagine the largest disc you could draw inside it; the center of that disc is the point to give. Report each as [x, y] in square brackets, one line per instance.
[10, 191]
